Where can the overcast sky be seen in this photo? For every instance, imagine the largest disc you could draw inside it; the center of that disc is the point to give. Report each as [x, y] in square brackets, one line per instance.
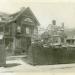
[45, 12]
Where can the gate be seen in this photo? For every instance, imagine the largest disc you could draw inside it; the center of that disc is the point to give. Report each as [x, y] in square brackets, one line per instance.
[25, 43]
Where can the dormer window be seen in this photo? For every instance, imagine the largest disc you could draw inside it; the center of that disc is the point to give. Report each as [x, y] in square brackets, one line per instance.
[28, 19]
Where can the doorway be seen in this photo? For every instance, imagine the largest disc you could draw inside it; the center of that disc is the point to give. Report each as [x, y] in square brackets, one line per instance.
[25, 43]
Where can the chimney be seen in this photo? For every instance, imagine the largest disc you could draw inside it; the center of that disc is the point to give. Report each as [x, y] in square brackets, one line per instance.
[53, 22]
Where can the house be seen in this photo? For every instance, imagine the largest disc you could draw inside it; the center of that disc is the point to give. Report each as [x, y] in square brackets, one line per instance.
[19, 29]
[70, 40]
[60, 35]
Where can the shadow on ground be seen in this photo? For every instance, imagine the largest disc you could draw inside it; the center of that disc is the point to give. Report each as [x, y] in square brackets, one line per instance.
[11, 65]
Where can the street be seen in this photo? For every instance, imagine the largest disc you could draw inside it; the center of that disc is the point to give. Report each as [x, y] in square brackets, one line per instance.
[18, 65]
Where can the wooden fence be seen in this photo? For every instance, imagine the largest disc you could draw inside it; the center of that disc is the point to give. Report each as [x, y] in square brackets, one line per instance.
[39, 55]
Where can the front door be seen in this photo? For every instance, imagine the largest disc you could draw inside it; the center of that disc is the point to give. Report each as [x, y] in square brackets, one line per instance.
[26, 42]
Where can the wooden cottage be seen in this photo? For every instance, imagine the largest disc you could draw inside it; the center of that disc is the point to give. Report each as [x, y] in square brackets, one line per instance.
[20, 29]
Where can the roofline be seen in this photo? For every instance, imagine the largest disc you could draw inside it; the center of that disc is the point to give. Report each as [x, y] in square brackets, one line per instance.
[20, 12]
[33, 15]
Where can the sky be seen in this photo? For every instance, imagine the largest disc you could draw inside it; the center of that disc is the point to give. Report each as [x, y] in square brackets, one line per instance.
[44, 10]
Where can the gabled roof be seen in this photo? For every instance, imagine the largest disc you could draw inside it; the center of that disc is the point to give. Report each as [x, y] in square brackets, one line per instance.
[33, 15]
[3, 14]
[18, 14]
[15, 16]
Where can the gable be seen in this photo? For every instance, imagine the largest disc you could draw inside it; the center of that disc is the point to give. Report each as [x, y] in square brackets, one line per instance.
[29, 14]
[26, 15]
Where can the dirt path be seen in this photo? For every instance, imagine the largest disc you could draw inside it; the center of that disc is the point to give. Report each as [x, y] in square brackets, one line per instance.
[18, 65]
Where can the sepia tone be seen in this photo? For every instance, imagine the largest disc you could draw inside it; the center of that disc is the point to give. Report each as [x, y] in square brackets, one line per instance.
[30, 43]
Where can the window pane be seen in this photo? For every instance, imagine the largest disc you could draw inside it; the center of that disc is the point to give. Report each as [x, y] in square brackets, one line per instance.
[27, 30]
[28, 20]
[18, 29]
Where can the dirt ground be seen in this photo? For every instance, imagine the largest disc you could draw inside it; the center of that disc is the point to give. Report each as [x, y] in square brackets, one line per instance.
[16, 64]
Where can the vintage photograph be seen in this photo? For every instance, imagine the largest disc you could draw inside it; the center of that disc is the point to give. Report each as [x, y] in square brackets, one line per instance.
[37, 36]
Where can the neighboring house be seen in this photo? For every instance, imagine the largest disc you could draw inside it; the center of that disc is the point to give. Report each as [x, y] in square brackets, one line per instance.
[70, 40]
[19, 29]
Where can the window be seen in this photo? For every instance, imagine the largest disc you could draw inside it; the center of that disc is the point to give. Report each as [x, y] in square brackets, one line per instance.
[1, 38]
[27, 30]
[18, 29]
[35, 31]
[70, 41]
[28, 19]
